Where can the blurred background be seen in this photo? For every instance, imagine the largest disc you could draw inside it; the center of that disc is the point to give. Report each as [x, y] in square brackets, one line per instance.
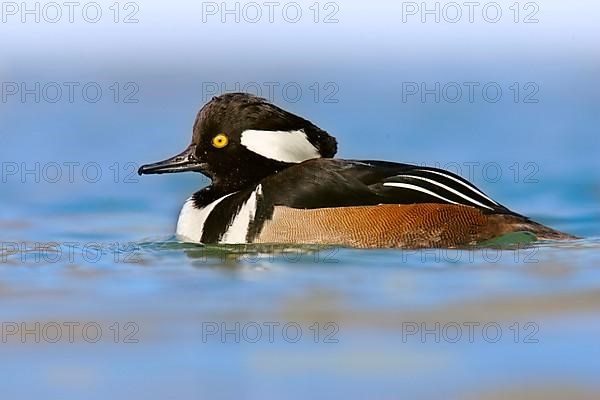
[504, 93]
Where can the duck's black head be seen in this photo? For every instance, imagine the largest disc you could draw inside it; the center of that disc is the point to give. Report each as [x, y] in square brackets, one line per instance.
[239, 139]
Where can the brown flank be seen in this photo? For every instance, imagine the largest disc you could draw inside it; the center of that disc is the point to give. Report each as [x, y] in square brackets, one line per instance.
[391, 225]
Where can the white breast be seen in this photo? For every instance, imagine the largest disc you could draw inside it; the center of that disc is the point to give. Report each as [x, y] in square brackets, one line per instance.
[190, 224]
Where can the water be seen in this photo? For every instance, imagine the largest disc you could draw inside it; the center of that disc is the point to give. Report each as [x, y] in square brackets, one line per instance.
[98, 299]
[483, 322]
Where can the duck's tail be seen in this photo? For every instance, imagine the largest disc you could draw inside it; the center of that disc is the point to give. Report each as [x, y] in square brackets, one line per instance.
[517, 223]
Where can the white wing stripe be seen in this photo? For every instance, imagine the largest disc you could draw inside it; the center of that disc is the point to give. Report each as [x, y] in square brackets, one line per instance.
[461, 182]
[456, 192]
[418, 189]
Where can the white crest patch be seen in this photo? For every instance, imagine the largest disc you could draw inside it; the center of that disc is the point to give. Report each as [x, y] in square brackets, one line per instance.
[190, 224]
[238, 230]
[284, 146]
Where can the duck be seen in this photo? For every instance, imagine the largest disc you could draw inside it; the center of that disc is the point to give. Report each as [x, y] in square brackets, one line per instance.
[275, 179]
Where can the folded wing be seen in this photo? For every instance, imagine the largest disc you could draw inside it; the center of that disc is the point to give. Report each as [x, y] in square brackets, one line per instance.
[340, 183]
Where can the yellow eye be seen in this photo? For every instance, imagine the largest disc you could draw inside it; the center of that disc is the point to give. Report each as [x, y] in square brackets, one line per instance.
[220, 141]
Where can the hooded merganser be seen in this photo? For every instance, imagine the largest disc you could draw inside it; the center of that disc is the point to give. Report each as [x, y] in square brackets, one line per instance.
[274, 181]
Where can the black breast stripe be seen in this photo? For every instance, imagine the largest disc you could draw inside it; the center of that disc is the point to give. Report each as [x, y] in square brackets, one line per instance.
[264, 211]
[221, 217]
